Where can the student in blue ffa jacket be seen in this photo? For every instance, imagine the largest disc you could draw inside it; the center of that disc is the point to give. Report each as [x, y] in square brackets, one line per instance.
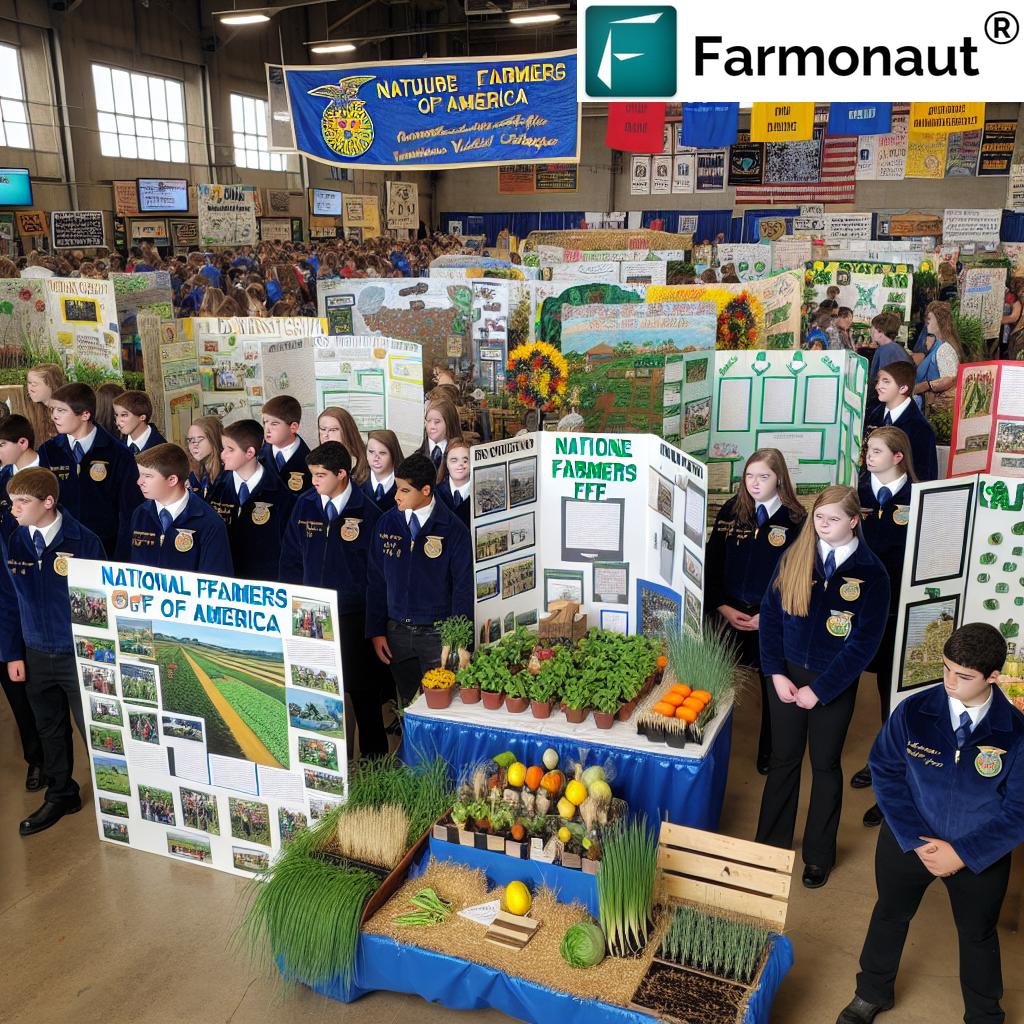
[894, 387]
[420, 572]
[822, 619]
[205, 440]
[884, 493]
[98, 476]
[16, 454]
[284, 451]
[35, 630]
[252, 501]
[441, 426]
[172, 528]
[327, 544]
[133, 414]
[453, 490]
[948, 771]
[752, 531]
[384, 454]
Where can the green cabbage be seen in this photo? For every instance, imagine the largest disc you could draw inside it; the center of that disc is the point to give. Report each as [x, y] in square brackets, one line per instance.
[583, 945]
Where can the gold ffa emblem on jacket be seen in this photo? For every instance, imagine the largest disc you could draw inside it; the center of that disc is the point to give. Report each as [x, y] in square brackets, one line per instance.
[184, 541]
[901, 515]
[433, 546]
[350, 529]
[98, 471]
[850, 590]
[295, 481]
[777, 536]
[261, 513]
[839, 623]
[989, 762]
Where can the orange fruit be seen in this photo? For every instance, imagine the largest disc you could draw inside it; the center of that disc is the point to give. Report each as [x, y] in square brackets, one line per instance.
[534, 774]
[682, 689]
[702, 695]
[695, 703]
[675, 699]
[687, 714]
[662, 661]
[661, 708]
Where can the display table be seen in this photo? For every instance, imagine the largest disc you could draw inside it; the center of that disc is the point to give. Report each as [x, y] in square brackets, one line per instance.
[685, 785]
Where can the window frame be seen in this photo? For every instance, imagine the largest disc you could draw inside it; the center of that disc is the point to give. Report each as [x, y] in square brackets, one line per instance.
[245, 140]
[21, 100]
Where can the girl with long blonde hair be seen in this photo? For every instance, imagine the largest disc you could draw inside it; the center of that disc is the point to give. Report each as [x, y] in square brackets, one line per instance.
[204, 439]
[337, 424]
[821, 622]
[383, 454]
[40, 383]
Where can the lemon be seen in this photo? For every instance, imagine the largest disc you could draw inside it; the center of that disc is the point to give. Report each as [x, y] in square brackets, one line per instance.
[576, 792]
[517, 899]
[566, 809]
[516, 774]
[564, 835]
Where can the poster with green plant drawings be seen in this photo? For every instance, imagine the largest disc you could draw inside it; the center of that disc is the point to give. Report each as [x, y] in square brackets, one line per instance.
[866, 287]
[24, 325]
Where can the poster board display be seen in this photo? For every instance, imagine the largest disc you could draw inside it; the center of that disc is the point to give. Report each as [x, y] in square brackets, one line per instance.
[549, 301]
[972, 576]
[491, 327]
[215, 710]
[981, 295]
[550, 515]
[750, 261]
[77, 229]
[126, 198]
[360, 216]
[83, 321]
[25, 323]
[988, 420]
[378, 380]
[971, 225]
[171, 366]
[867, 287]
[403, 205]
[226, 214]
[437, 314]
[184, 234]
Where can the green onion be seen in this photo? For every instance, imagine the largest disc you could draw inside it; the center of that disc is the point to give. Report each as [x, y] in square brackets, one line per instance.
[725, 947]
[625, 885]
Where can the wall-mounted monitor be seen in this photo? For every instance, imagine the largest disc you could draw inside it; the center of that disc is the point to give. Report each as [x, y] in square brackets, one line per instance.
[163, 195]
[325, 202]
[15, 187]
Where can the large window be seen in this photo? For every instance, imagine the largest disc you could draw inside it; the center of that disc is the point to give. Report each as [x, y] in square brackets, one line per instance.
[249, 128]
[14, 129]
[140, 117]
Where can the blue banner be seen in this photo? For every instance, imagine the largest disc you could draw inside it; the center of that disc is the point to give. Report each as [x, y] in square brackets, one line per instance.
[429, 114]
[859, 118]
[710, 125]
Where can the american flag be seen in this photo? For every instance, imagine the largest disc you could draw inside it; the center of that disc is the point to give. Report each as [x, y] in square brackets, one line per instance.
[838, 180]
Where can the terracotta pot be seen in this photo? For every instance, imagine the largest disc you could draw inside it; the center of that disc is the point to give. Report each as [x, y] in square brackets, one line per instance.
[626, 711]
[492, 699]
[604, 719]
[540, 709]
[576, 715]
[438, 699]
[469, 694]
[516, 705]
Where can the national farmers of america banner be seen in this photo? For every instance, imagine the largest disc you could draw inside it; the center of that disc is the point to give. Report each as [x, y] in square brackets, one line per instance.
[435, 113]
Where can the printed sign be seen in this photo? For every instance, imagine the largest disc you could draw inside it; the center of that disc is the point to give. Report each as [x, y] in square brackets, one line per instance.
[31, 222]
[403, 205]
[960, 226]
[77, 229]
[227, 214]
[126, 198]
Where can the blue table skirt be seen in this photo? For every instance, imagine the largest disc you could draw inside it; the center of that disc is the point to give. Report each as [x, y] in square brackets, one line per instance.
[683, 790]
[385, 965]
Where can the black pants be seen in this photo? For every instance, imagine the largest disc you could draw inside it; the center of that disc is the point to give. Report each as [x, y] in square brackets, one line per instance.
[976, 900]
[882, 666]
[51, 684]
[822, 731]
[362, 672]
[749, 645]
[414, 650]
[17, 697]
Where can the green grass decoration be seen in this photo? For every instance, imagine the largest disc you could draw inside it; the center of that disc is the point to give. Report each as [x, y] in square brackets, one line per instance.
[707, 661]
[304, 911]
[728, 948]
[625, 885]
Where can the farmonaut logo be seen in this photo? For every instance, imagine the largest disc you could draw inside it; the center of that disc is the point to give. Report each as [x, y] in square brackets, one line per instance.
[630, 50]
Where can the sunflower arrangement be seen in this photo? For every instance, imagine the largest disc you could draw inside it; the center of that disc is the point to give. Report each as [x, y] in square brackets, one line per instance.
[537, 376]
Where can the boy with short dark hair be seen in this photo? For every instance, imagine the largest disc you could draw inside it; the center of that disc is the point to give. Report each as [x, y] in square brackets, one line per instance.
[948, 772]
[133, 413]
[839, 333]
[327, 544]
[897, 408]
[885, 329]
[174, 528]
[98, 476]
[36, 640]
[284, 450]
[420, 572]
[17, 452]
[252, 501]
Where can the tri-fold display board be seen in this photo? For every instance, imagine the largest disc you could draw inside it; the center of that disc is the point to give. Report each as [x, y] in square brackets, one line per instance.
[614, 522]
[988, 420]
[964, 562]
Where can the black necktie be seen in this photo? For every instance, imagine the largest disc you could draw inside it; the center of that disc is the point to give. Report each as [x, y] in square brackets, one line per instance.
[830, 565]
[962, 733]
[457, 498]
[37, 539]
[134, 448]
[762, 515]
[884, 496]
[437, 455]
[379, 492]
[887, 420]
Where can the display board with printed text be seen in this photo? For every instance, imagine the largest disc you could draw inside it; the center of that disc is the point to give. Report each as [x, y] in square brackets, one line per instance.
[613, 522]
[226, 214]
[963, 563]
[866, 287]
[988, 420]
[171, 366]
[981, 295]
[141, 293]
[214, 710]
[84, 323]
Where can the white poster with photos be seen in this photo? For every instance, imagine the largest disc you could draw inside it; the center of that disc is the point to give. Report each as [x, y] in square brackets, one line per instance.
[214, 710]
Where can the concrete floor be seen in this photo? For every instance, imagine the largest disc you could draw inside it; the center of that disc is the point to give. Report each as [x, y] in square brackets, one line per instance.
[95, 934]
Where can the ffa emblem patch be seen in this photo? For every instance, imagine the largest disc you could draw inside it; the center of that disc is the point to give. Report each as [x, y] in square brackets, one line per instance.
[60, 565]
[901, 515]
[989, 762]
[839, 623]
[850, 590]
[350, 529]
[295, 481]
[777, 536]
[183, 542]
[345, 125]
[98, 471]
[261, 514]
[433, 547]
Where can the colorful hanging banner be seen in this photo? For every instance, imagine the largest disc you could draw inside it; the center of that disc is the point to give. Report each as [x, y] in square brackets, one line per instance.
[946, 117]
[997, 144]
[926, 154]
[859, 118]
[434, 113]
[746, 163]
[636, 127]
[781, 122]
[710, 125]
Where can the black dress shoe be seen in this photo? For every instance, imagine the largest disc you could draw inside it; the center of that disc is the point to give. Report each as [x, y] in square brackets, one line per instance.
[48, 815]
[873, 816]
[815, 876]
[34, 778]
[860, 1011]
[862, 779]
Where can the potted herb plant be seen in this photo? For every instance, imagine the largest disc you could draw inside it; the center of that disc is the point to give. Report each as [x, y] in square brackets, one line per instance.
[468, 680]
[456, 637]
[556, 665]
[517, 690]
[492, 674]
[576, 697]
[438, 687]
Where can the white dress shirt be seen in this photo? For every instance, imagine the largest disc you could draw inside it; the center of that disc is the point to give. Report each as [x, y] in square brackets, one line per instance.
[15, 468]
[895, 487]
[443, 445]
[252, 483]
[771, 506]
[175, 507]
[843, 552]
[286, 452]
[382, 481]
[463, 490]
[957, 708]
[422, 514]
[85, 442]
[140, 441]
[340, 501]
[48, 532]
[895, 414]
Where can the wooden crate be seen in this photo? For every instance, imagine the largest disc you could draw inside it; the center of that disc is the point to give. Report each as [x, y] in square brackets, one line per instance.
[564, 623]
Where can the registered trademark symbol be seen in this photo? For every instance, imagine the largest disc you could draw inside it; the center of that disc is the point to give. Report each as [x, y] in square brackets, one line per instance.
[1001, 27]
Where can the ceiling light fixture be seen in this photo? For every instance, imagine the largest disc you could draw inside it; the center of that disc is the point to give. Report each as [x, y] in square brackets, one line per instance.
[227, 18]
[533, 19]
[328, 47]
